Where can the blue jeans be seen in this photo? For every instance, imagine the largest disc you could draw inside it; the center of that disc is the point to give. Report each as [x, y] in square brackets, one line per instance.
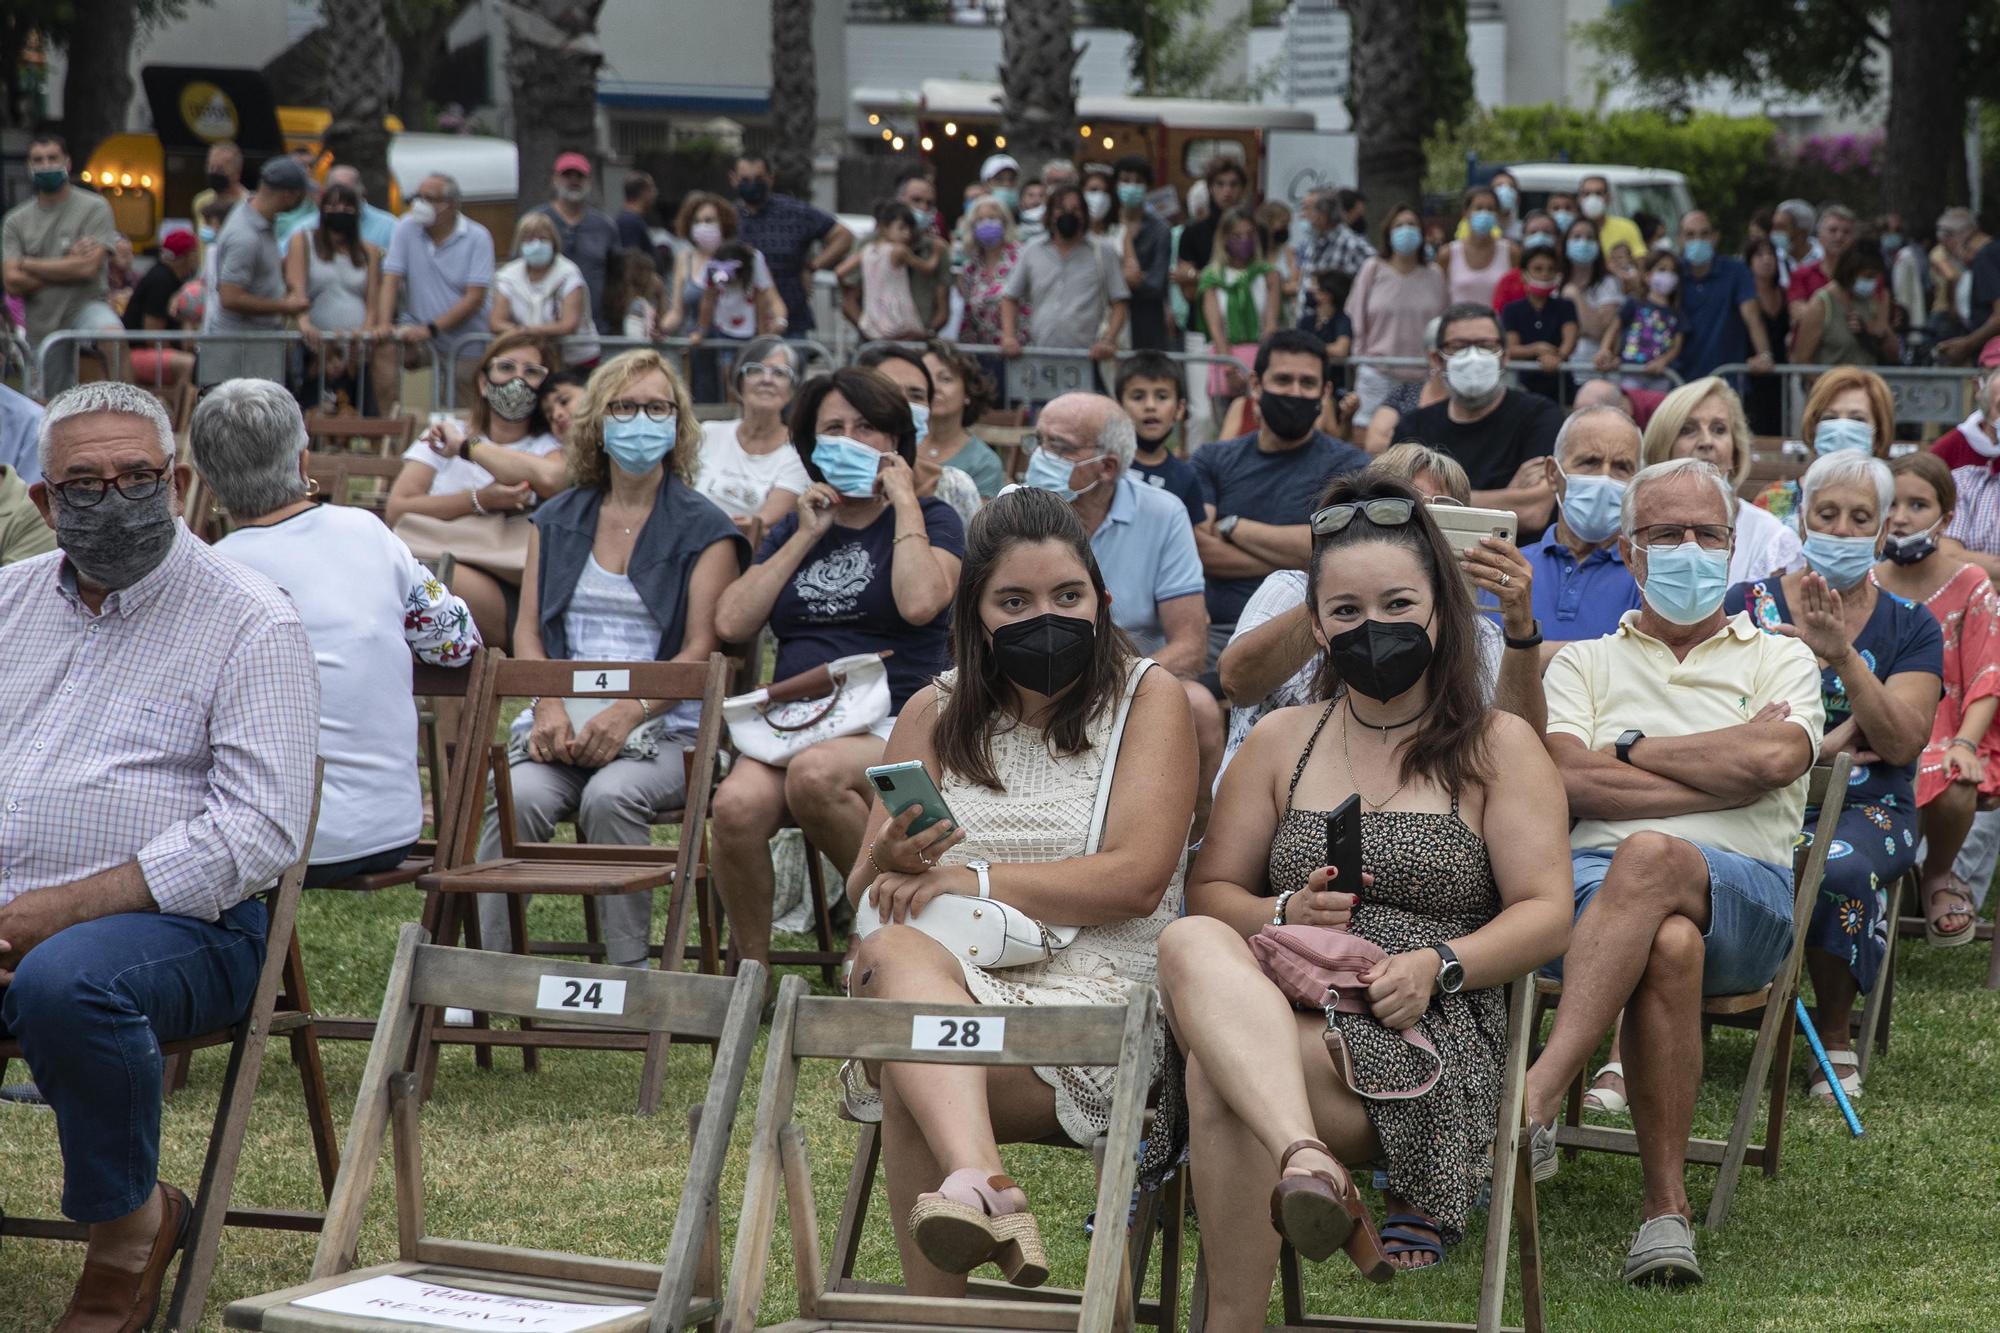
[1749, 917]
[90, 1006]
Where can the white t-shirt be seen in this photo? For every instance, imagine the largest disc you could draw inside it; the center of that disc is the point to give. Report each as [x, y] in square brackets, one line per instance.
[741, 482]
[735, 308]
[540, 301]
[366, 603]
[458, 474]
[1764, 543]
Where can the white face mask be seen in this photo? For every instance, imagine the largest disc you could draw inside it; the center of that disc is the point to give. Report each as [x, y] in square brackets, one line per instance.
[1097, 202]
[1592, 205]
[423, 212]
[1473, 373]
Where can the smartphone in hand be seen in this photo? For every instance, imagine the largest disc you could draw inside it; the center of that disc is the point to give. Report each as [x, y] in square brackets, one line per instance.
[1343, 846]
[903, 785]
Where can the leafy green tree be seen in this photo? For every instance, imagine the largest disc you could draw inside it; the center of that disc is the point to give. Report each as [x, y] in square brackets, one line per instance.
[1175, 52]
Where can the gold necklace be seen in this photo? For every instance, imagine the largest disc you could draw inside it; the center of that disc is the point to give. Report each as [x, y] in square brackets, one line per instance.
[1354, 779]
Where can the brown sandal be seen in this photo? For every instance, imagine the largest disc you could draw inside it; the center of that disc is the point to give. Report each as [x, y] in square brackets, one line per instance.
[1319, 1214]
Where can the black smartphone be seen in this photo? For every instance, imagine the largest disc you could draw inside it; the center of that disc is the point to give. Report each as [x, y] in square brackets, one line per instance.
[1343, 846]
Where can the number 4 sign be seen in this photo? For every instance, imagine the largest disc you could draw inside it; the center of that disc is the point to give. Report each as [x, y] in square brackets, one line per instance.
[935, 1032]
[580, 995]
[600, 682]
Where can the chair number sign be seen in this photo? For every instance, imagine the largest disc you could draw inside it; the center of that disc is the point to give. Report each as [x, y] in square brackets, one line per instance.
[600, 682]
[935, 1032]
[580, 995]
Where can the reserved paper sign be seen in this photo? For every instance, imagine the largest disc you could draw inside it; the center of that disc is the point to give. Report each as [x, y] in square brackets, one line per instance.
[401, 1300]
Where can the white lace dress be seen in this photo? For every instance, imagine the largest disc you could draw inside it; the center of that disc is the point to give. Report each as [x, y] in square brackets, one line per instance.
[1043, 814]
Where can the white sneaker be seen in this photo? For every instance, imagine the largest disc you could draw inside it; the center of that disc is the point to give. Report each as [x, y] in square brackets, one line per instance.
[458, 1018]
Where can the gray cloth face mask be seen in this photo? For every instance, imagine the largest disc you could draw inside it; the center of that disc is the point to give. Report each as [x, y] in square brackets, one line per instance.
[116, 542]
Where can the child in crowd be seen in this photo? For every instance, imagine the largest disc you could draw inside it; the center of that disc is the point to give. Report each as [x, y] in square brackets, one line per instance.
[1541, 325]
[888, 308]
[730, 284]
[1648, 334]
[1154, 395]
[1323, 312]
[644, 295]
[562, 395]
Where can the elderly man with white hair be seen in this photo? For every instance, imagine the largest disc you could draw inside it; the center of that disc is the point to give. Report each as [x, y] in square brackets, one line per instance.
[156, 770]
[367, 606]
[437, 281]
[1682, 865]
[1582, 587]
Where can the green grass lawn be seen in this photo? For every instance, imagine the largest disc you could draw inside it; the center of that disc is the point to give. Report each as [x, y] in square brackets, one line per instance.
[1897, 1230]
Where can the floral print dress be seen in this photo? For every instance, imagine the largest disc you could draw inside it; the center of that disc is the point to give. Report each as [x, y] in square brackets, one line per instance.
[982, 284]
[1969, 614]
[1875, 840]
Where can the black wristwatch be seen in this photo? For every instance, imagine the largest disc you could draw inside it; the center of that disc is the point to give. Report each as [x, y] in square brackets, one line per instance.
[1226, 529]
[1534, 639]
[1451, 972]
[1625, 743]
[432, 327]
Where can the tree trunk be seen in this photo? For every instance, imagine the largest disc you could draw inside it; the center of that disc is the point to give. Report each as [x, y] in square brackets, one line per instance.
[1386, 94]
[552, 61]
[1923, 149]
[357, 86]
[97, 84]
[418, 30]
[794, 96]
[1038, 53]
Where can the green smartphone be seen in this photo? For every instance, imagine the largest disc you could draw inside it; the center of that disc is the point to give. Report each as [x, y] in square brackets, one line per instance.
[903, 785]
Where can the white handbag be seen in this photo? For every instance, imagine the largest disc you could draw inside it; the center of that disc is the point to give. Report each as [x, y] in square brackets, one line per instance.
[989, 933]
[845, 697]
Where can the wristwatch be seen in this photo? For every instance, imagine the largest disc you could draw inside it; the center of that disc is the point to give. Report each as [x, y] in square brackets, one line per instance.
[980, 868]
[1226, 529]
[1534, 639]
[1284, 901]
[1625, 743]
[1451, 972]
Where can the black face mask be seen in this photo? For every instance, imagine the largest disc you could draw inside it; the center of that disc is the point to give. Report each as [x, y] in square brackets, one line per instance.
[753, 192]
[1069, 226]
[343, 225]
[1382, 659]
[1289, 416]
[217, 181]
[1911, 550]
[1046, 654]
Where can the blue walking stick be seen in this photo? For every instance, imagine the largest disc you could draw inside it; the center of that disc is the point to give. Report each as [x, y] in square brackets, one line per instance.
[1826, 1067]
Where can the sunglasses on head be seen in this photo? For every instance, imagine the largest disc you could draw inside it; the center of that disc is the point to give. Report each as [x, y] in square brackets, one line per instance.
[1390, 511]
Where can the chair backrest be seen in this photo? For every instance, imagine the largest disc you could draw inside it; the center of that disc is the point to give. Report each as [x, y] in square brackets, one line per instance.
[1826, 791]
[721, 1011]
[353, 479]
[178, 399]
[383, 434]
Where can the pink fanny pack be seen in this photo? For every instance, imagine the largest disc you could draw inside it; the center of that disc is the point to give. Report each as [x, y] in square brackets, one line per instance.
[1318, 967]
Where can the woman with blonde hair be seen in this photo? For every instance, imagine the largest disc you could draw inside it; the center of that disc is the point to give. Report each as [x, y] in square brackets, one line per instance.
[1705, 419]
[1848, 410]
[542, 291]
[987, 240]
[627, 565]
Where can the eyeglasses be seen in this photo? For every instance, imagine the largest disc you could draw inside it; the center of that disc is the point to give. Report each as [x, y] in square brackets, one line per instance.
[88, 492]
[624, 409]
[1457, 345]
[758, 370]
[1388, 512]
[506, 369]
[1708, 536]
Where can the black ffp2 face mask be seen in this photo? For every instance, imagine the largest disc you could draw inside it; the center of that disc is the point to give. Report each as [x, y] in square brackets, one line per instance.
[1045, 654]
[1290, 416]
[1382, 659]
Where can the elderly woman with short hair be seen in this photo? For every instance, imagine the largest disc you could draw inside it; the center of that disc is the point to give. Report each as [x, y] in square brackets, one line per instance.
[1704, 419]
[367, 606]
[749, 466]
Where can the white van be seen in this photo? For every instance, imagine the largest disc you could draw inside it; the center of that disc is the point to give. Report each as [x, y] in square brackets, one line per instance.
[1664, 194]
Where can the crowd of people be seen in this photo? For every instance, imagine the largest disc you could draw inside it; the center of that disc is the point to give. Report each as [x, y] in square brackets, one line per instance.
[1142, 678]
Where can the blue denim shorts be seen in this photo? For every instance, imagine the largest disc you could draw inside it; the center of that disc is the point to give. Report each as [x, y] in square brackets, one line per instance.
[1749, 917]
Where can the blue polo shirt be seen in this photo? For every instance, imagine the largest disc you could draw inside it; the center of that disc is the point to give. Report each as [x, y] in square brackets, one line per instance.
[1712, 317]
[1145, 548]
[1579, 600]
[436, 275]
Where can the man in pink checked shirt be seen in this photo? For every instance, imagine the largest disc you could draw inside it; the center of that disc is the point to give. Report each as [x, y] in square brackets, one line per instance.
[159, 710]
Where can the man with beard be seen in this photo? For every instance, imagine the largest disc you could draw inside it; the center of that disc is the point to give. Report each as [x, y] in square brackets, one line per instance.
[162, 715]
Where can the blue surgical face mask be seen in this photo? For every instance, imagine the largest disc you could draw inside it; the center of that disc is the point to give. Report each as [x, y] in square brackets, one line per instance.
[1406, 239]
[205, 234]
[1508, 196]
[1009, 197]
[1685, 584]
[1864, 289]
[537, 253]
[1591, 506]
[1892, 241]
[638, 445]
[1131, 194]
[1564, 220]
[1700, 253]
[847, 465]
[1782, 243]
[1581, 250]
[922, 416]
[1046, 472]
[1483, 222]
[1836, 435]
[1841, 561]
[1538, 240]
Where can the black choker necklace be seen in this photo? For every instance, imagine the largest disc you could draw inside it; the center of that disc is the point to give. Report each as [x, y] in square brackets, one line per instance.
[1385, 728]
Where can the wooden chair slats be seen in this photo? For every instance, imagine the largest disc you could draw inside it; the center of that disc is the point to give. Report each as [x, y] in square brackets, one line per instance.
[382, 434]
[676, 1002]
[1071, 1034]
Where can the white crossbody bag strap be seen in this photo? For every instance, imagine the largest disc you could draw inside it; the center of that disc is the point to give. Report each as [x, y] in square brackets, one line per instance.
[1062, 935]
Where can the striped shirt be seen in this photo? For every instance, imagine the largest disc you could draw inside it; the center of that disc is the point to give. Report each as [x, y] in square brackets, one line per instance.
[177, 726]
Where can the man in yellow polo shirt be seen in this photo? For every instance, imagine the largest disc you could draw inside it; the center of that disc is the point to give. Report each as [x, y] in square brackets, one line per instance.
[1593, 196]
[1684, 740]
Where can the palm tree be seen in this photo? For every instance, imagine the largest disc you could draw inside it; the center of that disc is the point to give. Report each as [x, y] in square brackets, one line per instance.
[357, 89]
[794, 95]
[1038, 54]
[552, 60]
[1387, 95]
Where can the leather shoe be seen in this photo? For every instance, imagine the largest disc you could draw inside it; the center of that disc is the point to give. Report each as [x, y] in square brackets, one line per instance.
[117, 1300]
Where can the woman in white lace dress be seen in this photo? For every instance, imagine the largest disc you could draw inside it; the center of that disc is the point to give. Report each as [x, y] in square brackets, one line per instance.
[1016, 736]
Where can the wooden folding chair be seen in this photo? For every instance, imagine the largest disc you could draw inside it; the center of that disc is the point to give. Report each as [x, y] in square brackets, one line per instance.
[1770, 1009]
[1871, 1028]
[1512, 1203]
[833, 1028]
[279, 1006]
[571, 869]
[360, 480]
[384, 436]
[681, 1290]
[178, 399]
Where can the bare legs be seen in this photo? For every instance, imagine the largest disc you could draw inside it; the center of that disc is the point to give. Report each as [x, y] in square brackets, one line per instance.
[1210, 734]
[486, 599]
[1945, 822]
[940, 1118]
[1834, 992]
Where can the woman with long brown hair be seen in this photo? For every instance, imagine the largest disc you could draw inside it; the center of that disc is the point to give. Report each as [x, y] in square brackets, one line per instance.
[1018, 736]
[1406, 729]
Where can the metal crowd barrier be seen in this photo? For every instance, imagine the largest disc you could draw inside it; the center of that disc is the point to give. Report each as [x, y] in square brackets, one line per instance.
[1921, 394]
[280, 356]
[1568, 374]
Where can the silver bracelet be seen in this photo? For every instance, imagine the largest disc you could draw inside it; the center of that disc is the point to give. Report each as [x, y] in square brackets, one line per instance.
[1960, 740]
[1284, 902]
[477, 507]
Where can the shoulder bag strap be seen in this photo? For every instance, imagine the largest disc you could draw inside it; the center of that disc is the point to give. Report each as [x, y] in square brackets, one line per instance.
[1111, 745]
